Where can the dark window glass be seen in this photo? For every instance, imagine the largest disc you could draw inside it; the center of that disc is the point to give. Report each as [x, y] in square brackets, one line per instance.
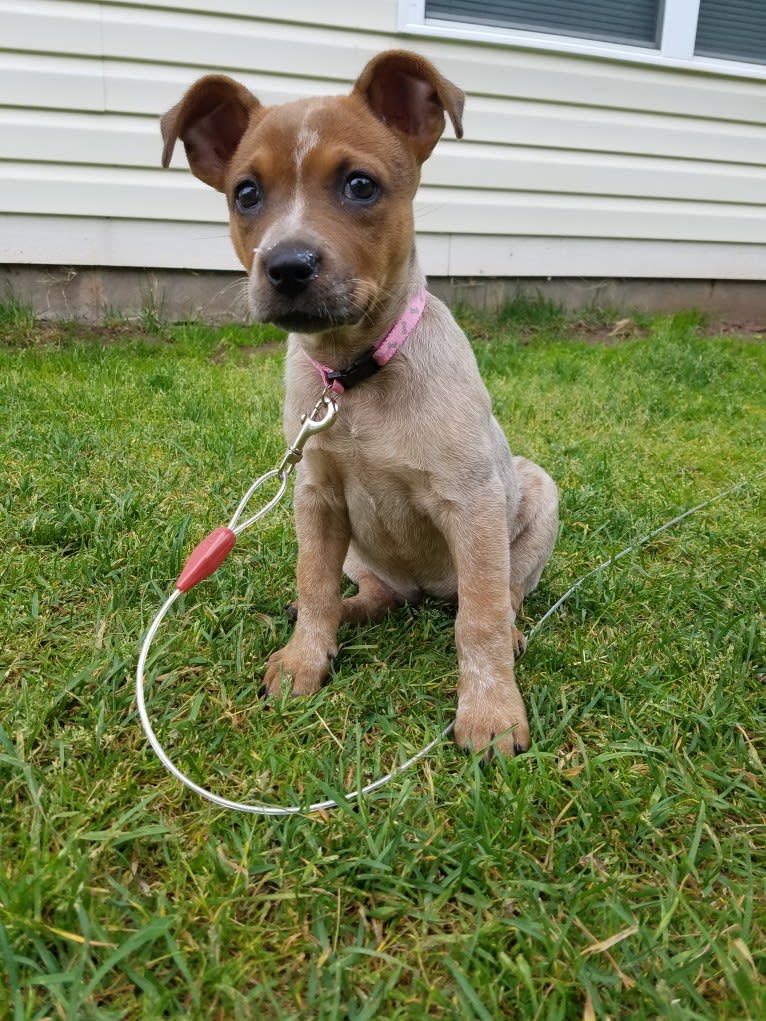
[635, 22]
[732, 29]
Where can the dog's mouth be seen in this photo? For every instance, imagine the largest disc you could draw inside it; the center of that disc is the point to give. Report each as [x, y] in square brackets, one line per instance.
[298, 320]
[310, 312]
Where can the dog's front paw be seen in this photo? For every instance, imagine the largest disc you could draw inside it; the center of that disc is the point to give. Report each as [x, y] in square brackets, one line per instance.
[493, 721]
[305, 668]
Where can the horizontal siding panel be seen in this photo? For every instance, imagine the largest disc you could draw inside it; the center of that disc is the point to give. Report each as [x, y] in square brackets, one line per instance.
[51, 26]
[100, 139]
[149, 88]
[90, 241]
[44, 241]
[146, 35]
[558, 172]
[506, 73]
[271, 46]
[380, 16]
[63, 83]
[146, 194]
[477, 256]
[448, 210]
[82, 83]
[559, 126]
[152, 34]
[107, 191]
[109, 140]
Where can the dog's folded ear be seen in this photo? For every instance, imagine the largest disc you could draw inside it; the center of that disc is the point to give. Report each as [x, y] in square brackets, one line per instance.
[407, 93]
[210, 120]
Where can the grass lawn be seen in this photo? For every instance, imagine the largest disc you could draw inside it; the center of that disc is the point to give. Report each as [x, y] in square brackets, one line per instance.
[617, 870]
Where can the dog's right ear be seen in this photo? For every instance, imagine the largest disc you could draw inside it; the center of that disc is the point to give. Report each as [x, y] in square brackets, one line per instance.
[210, 120]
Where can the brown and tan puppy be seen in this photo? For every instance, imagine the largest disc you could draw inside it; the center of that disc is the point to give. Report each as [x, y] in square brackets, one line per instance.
[413, 491]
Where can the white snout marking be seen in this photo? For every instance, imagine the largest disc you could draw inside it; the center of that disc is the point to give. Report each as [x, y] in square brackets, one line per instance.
[293, 223]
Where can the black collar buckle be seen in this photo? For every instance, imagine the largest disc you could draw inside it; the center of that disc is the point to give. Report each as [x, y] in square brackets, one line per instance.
[360, 369]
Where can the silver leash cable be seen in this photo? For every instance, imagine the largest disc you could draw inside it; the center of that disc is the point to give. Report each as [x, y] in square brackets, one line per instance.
[321, 417]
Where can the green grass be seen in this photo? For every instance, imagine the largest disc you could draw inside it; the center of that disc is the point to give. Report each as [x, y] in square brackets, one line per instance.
[614, 871]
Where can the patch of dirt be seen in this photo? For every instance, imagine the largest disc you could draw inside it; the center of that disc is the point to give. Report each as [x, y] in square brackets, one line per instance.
[244, 352]
[623, 330]
[750, 329]
[627, 329]
[45, 333]
[608, 334]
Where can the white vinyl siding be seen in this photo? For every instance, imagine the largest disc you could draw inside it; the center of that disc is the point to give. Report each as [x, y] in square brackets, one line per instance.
[569, 166]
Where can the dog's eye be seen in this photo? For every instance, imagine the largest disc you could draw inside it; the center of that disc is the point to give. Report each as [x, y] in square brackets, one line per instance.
[247, 195]
[360, 187]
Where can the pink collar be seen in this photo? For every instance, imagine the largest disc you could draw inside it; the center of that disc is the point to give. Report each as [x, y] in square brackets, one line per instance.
[340, 380]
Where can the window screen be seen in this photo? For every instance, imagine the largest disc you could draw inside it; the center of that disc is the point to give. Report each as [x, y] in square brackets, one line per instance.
[732, 28]
[627, 21]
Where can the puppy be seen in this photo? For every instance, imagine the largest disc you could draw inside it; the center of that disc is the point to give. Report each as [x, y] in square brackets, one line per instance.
[413, 492]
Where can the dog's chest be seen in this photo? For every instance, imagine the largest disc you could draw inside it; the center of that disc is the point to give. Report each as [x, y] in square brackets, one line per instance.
[379, 471]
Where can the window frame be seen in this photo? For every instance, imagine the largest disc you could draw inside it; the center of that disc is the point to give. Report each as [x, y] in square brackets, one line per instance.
[676, 47]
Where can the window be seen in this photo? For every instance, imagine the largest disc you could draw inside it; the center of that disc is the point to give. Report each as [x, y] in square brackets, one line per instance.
[735, 29]
[724, 36]
[631, 21]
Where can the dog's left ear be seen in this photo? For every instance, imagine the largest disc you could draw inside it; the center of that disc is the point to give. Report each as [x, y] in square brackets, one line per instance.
[407, 93]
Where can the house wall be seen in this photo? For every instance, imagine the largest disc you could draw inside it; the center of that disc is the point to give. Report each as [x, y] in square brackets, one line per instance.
[570, 166]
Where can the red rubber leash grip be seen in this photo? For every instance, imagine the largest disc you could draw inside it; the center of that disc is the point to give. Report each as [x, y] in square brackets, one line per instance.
[206, 557]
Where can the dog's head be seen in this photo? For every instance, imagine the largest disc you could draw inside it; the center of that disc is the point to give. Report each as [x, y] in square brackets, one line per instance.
[320, 190]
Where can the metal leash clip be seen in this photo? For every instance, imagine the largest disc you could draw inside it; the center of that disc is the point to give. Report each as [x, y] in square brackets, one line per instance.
[310, 425]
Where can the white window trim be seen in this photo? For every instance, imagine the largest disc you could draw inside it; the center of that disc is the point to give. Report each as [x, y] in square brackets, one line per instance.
[679, 28]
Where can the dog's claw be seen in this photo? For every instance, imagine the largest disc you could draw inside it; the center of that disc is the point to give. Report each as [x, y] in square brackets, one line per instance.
[519, 644]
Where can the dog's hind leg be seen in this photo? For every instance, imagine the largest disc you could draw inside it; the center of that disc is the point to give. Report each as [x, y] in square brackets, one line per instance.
[374, 598]
[372, 602]
[533, 535]
[519, 641]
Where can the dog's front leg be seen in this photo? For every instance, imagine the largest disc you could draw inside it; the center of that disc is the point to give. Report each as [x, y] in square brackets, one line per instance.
[323, 536]
[490, 712]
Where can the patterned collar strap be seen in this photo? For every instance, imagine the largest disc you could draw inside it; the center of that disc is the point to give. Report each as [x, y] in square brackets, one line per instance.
[375, 357]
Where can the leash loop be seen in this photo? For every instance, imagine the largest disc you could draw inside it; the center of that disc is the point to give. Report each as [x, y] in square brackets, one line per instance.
[210, 553]
[321, 417]
[207, 557]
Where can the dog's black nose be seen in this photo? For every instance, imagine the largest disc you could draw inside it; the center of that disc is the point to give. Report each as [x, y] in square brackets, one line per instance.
[290, 268]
